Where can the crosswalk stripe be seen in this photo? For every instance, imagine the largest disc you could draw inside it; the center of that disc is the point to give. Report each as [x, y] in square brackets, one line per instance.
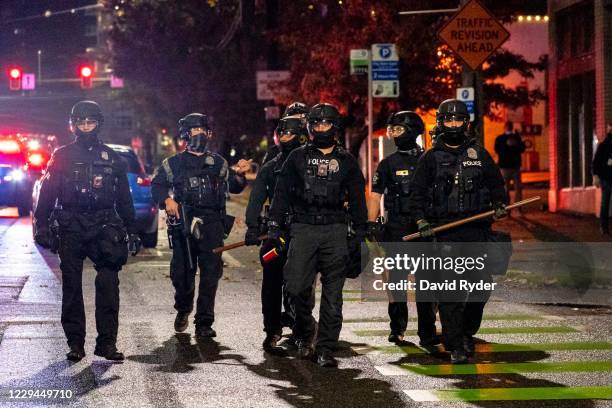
[483, 330]
[414, 319]
[497, 368]
[510, 394]
[496, 347]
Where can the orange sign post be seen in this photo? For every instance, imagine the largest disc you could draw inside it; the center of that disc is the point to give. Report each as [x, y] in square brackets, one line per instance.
[473, 33]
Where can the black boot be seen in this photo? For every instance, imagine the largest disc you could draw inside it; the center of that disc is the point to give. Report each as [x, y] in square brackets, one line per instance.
[205, 332]
[398, 339]
[76, 353]
[290, 342]
[270, 344]
[458, 357]
[324, 358]
[109, 353]
[468, 344]
[304, 349]
[181, 322]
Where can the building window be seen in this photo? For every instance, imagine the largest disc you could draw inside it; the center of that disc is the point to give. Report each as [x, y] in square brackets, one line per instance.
[575, 30]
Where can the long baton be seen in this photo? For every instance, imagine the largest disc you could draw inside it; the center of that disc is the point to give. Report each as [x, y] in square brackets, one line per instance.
[476, 217]
[235, 245]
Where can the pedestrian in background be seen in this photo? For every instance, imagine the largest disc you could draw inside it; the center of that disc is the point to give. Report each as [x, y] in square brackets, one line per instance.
[509, 146]
[602, 177]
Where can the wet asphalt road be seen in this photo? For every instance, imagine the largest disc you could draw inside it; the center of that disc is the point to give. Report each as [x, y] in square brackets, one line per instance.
[541, 351]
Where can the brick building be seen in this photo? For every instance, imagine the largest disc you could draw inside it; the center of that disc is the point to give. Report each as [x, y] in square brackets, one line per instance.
[580, 98]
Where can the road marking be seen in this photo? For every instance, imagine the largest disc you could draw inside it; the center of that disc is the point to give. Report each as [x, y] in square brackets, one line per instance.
[483, 330]
[385, 319]
[495, 347]
[496, 368]
[509, 394]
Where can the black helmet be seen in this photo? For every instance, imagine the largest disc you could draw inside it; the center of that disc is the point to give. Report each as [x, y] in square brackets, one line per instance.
[294, 125]
[296, 108]
[326, 113]
[412, 122]
[452, 109]
[193, 120]
[85, 110]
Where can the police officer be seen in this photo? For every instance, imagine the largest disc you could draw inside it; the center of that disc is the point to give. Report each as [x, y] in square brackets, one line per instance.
[198, 181]
[297, 109]
[457, 178]
[86, 188]
[393, 178]
[292, 134]
[314, 184]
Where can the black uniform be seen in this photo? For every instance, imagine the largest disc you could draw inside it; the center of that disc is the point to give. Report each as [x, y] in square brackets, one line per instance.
[272, 296]
[314, 187]
[393, 178]
[200, 185]
[94, 211]
[449, 184]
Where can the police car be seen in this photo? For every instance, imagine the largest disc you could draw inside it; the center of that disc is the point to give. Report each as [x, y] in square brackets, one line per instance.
[15, 179]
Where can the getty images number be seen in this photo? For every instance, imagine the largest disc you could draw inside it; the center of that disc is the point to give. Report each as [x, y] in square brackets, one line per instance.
[46, 394]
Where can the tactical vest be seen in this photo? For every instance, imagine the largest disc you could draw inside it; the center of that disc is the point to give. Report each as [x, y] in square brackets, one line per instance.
[199, 187]
[401, 167]
[90, 185]
[322, 184]
[459, 188]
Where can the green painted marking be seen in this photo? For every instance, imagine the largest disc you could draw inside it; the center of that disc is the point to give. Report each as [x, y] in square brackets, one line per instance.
[509, 368]
[524, 394]
[508, 347]
[414, 319]
[483, 330]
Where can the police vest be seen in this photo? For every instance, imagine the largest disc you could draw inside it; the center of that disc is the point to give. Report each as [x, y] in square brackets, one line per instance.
[401, 167]
[90, 184]
[322, 184]
[202, 187]
[459, 188]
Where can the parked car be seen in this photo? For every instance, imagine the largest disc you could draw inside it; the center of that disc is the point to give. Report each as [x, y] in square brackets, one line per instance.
[15, 179]
[147, 216]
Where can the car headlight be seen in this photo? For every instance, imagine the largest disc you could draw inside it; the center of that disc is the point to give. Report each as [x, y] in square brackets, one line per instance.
[15, 175]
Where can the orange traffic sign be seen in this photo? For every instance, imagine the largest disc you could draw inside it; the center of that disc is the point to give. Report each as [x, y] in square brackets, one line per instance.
[473, 33]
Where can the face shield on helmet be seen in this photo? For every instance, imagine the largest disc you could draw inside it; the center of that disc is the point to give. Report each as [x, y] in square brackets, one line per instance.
[86, 121]
[323, 125]
[291, 133]
[194, 130]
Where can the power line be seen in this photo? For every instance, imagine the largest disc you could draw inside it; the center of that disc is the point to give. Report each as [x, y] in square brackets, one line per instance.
[49, 13]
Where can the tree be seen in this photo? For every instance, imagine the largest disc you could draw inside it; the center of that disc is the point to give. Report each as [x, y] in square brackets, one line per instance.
[317, 43]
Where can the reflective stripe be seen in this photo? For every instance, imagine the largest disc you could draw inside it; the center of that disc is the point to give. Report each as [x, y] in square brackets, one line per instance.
[168, 170]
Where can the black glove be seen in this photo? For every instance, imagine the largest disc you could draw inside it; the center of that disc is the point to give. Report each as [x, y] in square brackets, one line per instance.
[134, 244]
[252, 236]
[43, 237]
[500, 211]
[275, 237]
[374, 232]
[353, 267]
[425, 228]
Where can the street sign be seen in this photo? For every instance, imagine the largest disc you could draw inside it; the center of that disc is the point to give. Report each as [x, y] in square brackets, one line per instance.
[473, 33]
[28, 82]
[360, 59]
[466, 95]
[267, 84]
[385, 71]
[116, 82]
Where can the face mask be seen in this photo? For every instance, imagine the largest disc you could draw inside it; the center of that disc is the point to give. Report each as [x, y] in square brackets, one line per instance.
[324, 140]
[287, 147]
[453, 138]
[197, 143]
[405, 141]
[88, 139]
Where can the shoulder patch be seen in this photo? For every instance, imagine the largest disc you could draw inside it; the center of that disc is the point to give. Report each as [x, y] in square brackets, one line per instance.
[168, 170]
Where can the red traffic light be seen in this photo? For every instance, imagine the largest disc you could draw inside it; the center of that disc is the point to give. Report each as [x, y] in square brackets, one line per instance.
[15, 73]
[86, 71]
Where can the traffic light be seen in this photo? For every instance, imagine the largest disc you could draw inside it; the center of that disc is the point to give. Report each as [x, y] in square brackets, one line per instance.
[86, 73]
[15, 74]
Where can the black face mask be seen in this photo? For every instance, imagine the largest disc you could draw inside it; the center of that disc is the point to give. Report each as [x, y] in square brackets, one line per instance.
[453, 138]
[198, 143]
[323, 140]
[287, 147]
[406, 141]
[86, 139]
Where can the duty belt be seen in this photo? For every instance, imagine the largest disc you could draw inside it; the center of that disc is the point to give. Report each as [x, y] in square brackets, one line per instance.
[319, 219]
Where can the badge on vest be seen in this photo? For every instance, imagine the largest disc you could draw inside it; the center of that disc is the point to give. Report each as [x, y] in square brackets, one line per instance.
[472, 153]
[609, 162]
[402, 172]
[334, 166]
[104, 155]
[209, 160]
[98, 181]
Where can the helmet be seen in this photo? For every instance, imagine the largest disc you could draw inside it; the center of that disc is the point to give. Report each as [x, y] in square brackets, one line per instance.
[85, 110]
[413, 127]
[296, 108]
[199, 142]
[193, 120]
[294, 125]
[323, 113]
[452, 109]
